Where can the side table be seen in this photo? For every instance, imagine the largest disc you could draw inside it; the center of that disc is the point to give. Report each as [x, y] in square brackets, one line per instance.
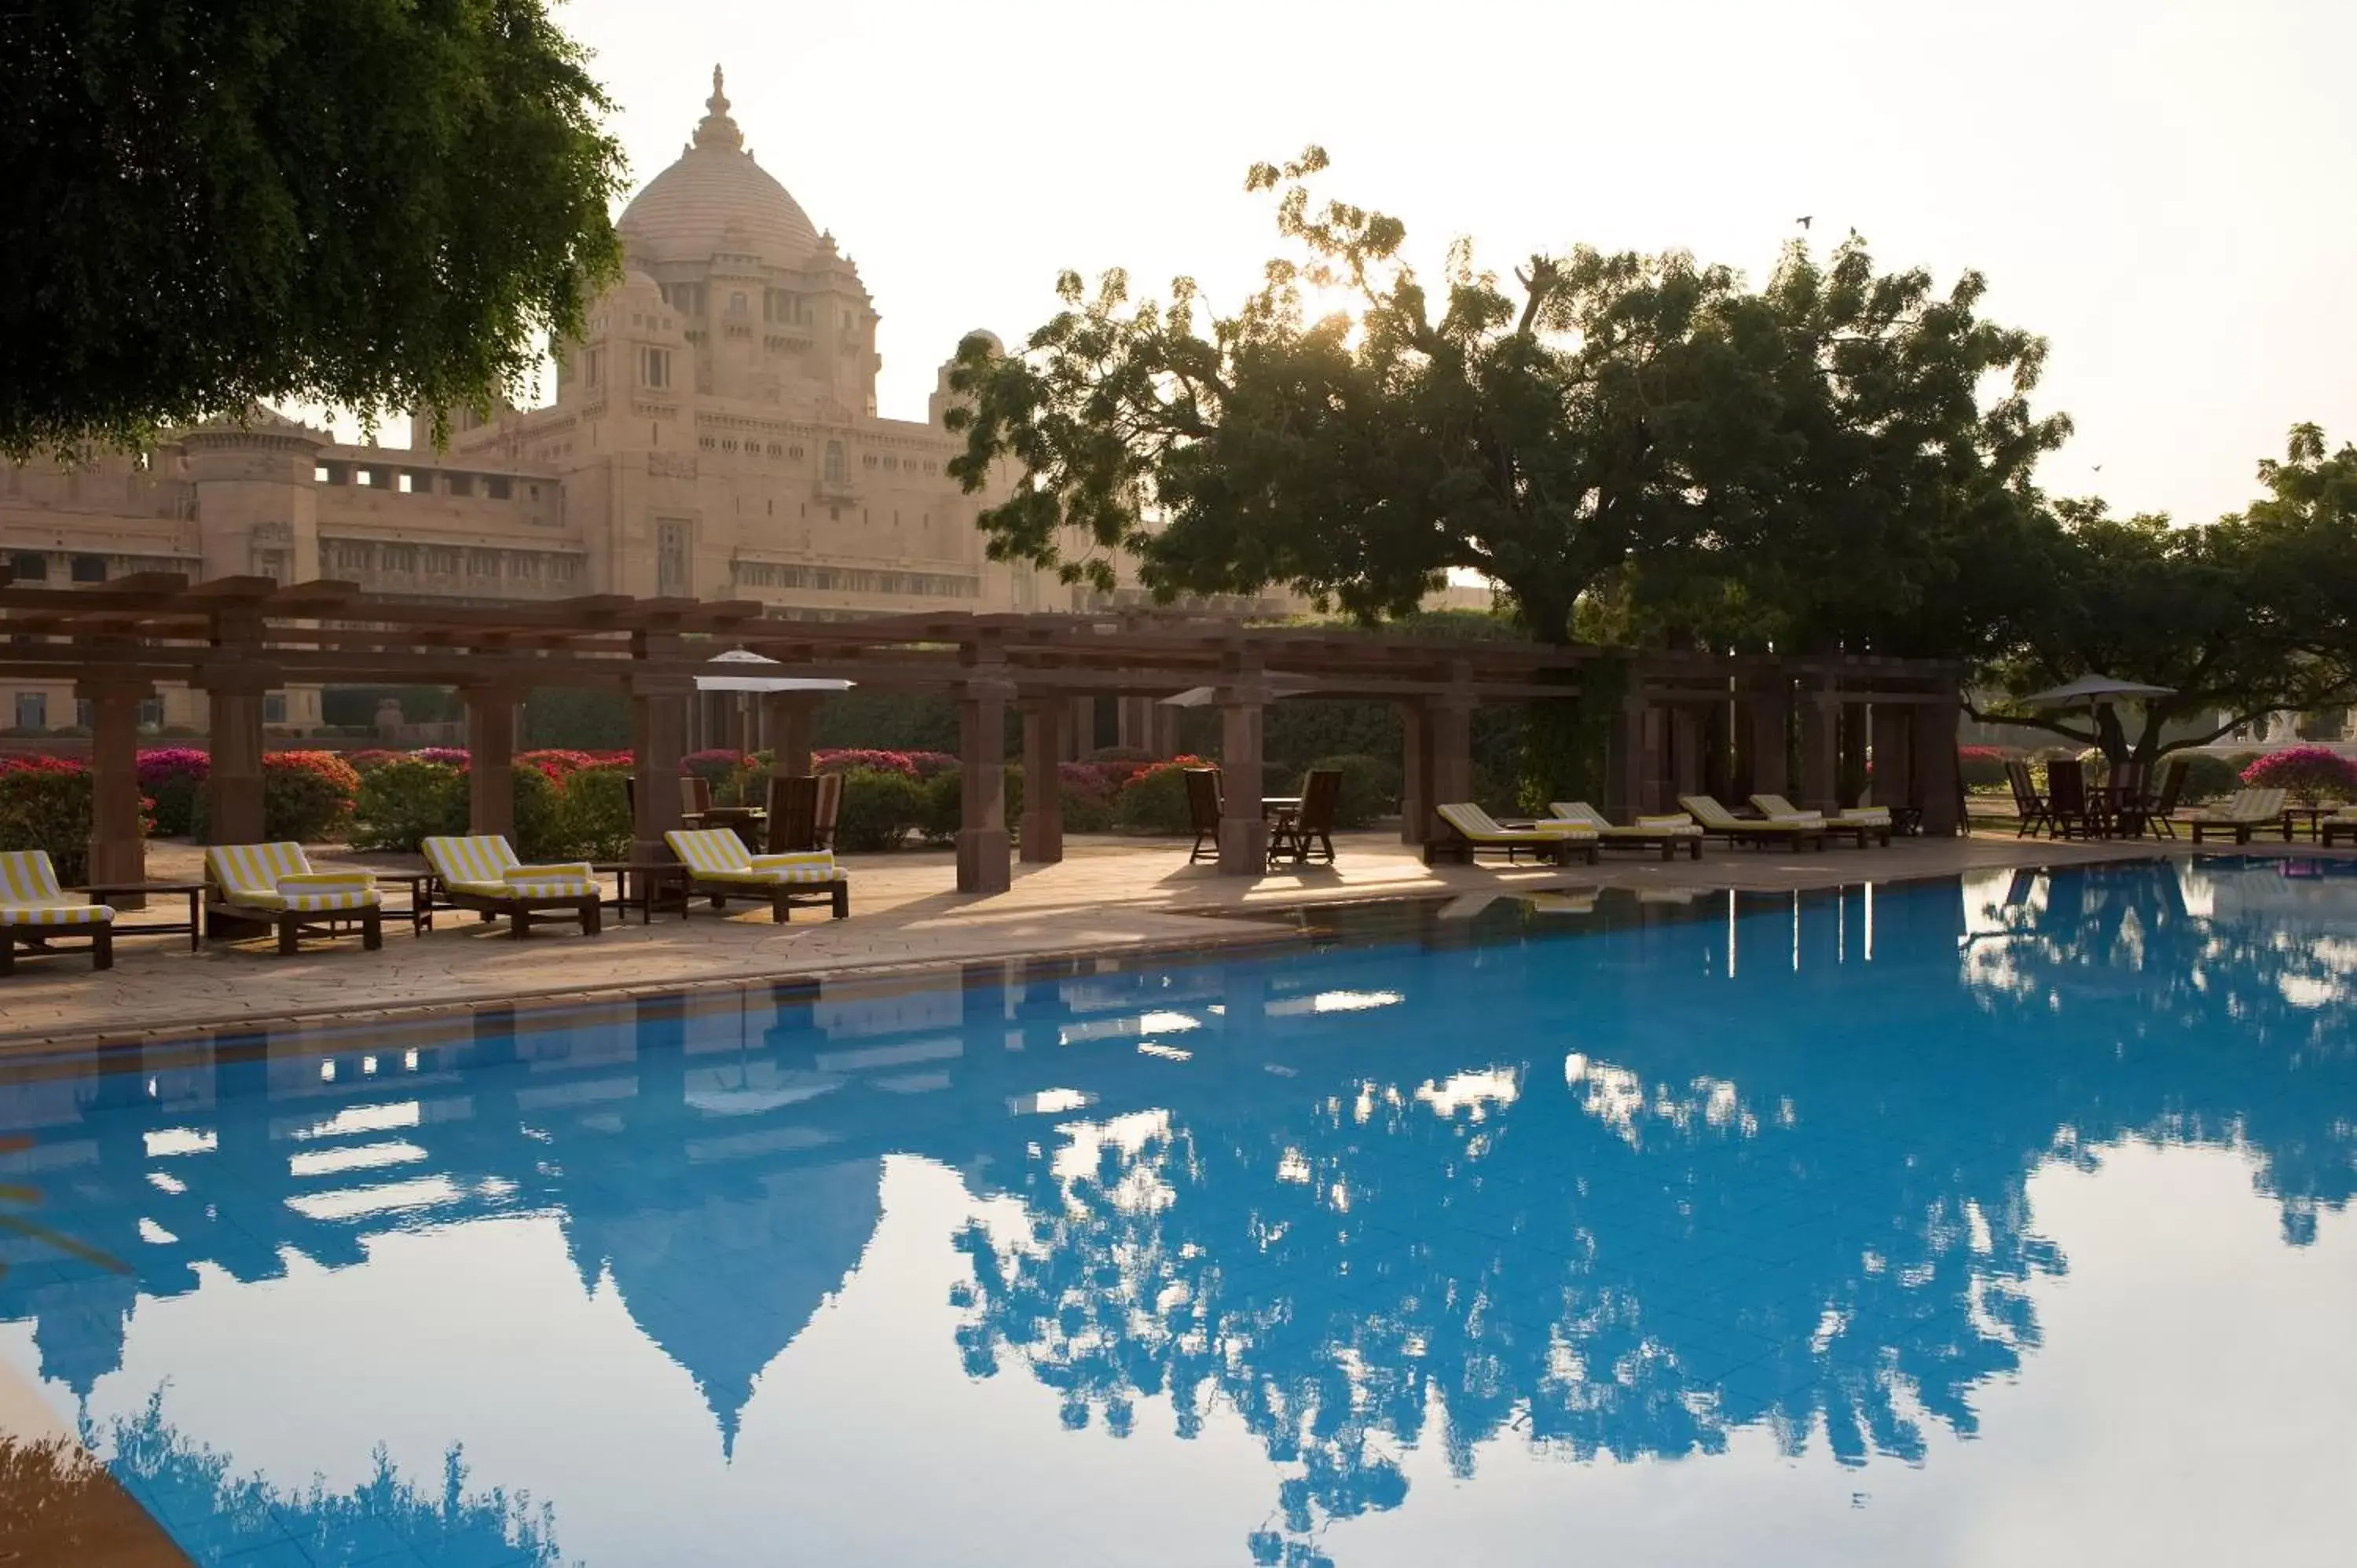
[645, 885]
[107, 892]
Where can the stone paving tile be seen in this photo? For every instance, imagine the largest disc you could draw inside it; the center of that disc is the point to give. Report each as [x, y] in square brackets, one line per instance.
[1108, 894]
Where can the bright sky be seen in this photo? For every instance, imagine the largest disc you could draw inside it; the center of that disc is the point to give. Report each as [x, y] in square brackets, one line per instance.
[2156, 186]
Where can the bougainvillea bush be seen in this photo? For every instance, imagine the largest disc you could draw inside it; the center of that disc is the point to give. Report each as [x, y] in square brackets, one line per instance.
[845, 761]
[1155, 800]
[173, 777]
[45, 803]
[450, 756]
[1983, 767]
[2311, 774]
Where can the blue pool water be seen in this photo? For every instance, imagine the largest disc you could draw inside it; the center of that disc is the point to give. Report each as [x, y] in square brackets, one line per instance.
[1994, 1223]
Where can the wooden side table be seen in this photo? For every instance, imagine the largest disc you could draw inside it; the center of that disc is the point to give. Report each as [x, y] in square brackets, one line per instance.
[420, 897]
[107, 892]
[645, 885]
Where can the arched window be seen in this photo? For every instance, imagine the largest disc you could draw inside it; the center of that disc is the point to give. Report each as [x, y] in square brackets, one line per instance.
[737, 305]
[835, 462]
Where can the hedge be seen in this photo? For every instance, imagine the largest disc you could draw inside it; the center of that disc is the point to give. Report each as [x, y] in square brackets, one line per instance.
[45, 803]
[174, 777]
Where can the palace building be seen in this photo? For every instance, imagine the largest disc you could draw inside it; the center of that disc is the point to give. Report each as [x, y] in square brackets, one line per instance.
[714, 435]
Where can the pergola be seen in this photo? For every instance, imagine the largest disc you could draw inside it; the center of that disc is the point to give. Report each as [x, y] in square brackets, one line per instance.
[1683, 720]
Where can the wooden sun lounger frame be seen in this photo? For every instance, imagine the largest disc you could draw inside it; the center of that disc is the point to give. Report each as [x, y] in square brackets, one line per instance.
[225, 921]
[782, 896]
[42, 939]
[521, 909]
[2240, 832]
[1454, 845]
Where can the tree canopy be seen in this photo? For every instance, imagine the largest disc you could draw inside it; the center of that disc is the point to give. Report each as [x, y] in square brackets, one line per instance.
[374, 204]
[1809, 464]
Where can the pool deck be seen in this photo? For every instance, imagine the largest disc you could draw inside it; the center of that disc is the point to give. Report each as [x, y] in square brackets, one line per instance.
[1107, 895]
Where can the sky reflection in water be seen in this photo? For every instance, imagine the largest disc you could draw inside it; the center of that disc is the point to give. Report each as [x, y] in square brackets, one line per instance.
[1907, 1224]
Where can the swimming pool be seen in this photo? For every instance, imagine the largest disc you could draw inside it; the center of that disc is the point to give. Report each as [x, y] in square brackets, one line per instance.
[1994, 1222]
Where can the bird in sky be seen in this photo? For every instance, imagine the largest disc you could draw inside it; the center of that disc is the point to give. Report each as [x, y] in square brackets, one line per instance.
[1805, 221]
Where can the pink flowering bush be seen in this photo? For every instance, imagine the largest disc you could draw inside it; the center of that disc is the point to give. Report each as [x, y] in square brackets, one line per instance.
[45, 803]
[2311, 774]
[557, 761]
[449, 755]
[307, 796]
[173, 777]
[848, 758]
[371, 757]
[712, 765]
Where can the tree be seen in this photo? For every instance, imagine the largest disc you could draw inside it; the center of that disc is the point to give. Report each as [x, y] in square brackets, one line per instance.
[2247, 615]
[1638, 437]
[373, 205]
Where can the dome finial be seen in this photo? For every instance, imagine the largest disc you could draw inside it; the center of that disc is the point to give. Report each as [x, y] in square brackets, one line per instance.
[716, 129]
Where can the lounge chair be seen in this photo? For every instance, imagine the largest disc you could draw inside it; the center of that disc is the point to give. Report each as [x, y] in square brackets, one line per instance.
[793, 814]
[481, 872]
[2031, 806]
[1861, 822]
[1307, 832]
[1666, 834]
[1719, 822]
[2248, 811]
[34, 912]
[2158, 812]
[720, 867]
[1203, 812]
[1471, 830]
[2342, 824]
[252, 889]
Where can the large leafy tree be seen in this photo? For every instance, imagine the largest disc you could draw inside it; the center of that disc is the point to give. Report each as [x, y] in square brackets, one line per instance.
[1640, 439]
[2253, 614]
[375, 204]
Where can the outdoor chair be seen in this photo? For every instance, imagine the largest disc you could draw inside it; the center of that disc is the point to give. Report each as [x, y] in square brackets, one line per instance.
[793, 814]
[2249, 811]
[694, 798]
[2340, 824]
[34, 912]
[1861, 822]
[1306, 832]
[719, 866]
[2160, 812]
[2067, 807]
[254, 890]
[1203, 812]
[481, 872]
[1719, 822]
[830, 803]
[1666, 833]
[2028, 803]
[1466, 830]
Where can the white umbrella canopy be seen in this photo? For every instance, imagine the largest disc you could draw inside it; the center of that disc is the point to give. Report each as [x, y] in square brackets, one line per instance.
[747, 671]
[2093, 689]
[1279, 685]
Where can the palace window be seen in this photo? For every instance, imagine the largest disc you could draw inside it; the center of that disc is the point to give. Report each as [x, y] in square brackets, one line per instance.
[654, 367]
[593, 366]
[835, 462]
[483, 562]
[32, 710]
[498, 486]
[274, 708]
[90, 568]
[737, 305]
[29, 568]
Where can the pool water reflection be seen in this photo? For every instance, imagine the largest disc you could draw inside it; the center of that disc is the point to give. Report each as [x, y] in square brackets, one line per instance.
[1926, 1223]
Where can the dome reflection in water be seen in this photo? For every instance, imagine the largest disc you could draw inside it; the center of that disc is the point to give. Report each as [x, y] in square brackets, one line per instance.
[1460, 1230]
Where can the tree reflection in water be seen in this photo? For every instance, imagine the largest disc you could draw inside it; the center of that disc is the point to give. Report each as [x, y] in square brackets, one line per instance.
[1791, 1196]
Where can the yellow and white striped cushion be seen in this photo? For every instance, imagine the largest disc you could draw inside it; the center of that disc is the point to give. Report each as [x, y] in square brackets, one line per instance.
[709, 852]
[315, 901]
[803, 865]
[58, 914]
[470, 858]
[240, 869]
[1482, 828]
[28, 876]
[1866, 816]
[1673, 823]
[524, 887]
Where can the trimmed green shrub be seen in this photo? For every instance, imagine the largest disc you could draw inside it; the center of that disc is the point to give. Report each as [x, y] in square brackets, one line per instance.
[1983, 768]
[405, 802]
[1370, 788]
[945, 795]
[540, 828]
[45, 803]
[2209, 777]
[593, 815]
[879, 810]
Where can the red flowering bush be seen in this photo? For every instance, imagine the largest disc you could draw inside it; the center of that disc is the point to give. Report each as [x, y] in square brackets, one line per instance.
[45, 803]
[371, 757]
[712, 765]
[448, 755]
[844, 760]
[555, 761]
[2310, 773]
[307, 796]
[1983, 767]
[173, 777]
[1154, 800]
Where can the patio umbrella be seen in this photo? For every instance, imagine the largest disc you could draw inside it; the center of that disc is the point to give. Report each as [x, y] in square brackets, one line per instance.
[2094, 691]
[741, 670]
[1278, 686]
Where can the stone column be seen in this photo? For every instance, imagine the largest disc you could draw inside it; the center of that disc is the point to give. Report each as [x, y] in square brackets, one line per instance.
[1243, 832]
[490, 759]
[1448, 747]
[1632, 783]
[1043, 796]
[1084, 727]
[233, 786]
[1684, 727]
[118, 851]
[1894, 747]
[1766, 739]
[789, 720]
[1939, 791]
[982, 851]
[1820, 752]
[1415, 775]
[659, 706]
